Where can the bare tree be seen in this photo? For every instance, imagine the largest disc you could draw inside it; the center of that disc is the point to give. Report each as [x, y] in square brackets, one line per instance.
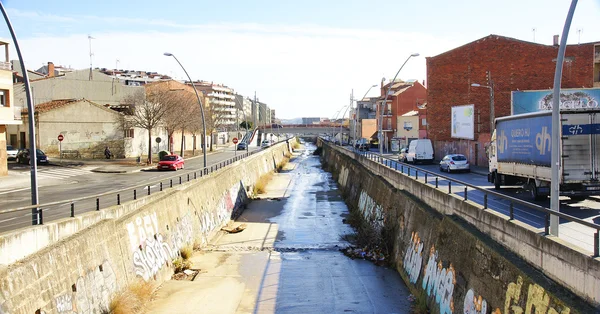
[150, 107]
[187, 107]
[216, 119]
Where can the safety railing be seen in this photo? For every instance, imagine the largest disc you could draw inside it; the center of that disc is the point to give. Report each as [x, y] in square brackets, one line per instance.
[41, 213]
[456, 186]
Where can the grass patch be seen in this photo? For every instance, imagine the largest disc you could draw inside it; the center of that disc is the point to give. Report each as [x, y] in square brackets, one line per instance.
[133, 299]
[282, 163]
[261, 184]
[181, 264]
[186, 252]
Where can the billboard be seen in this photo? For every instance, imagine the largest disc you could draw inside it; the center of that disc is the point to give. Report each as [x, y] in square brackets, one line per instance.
[463, 122]
[525, 140]
[533, 101]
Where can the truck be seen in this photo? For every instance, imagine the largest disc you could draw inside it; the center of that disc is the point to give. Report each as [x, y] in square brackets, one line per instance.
[521, 146]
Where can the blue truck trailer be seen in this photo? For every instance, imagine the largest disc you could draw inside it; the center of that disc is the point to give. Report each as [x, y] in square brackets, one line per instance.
[520, 153]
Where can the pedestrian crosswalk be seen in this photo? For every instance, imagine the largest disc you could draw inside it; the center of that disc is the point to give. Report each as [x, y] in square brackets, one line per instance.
[60, 172]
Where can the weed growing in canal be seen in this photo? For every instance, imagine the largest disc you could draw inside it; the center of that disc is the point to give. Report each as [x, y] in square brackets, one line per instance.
[181, 264]
[296, 144]
[132, 299]
[186, 252]
[282, 163]
[367, 243]
[261, 184]
[419, 304]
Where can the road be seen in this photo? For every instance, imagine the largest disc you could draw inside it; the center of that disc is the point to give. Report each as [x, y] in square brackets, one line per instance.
[287, 260]
[66, 183]
[574, 233]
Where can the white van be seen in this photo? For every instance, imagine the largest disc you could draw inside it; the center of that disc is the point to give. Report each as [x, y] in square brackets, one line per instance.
[419, 151]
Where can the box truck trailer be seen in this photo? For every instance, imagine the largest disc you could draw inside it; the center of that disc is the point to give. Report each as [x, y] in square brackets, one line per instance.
[520, 153]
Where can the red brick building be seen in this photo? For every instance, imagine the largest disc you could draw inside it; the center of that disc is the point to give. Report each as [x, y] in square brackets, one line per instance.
[513, 65]
[404, 97]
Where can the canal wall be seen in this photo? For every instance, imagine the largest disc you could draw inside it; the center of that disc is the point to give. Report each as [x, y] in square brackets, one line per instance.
[458, 257]
[82, 272]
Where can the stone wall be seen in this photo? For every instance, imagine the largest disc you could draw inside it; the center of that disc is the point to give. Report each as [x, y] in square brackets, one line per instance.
[80, 271]
[437, 245]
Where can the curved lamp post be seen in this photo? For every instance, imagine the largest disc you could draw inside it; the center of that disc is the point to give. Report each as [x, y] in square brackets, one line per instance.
[35, 218]
[387, 93]
[357, 111]
[199, 103]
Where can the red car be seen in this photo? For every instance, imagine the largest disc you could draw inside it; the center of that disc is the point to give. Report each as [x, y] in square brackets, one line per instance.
[171, 162]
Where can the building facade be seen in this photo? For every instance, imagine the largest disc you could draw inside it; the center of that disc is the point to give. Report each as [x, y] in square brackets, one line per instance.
[403, 97]
[221, 100]
[503, 64]
[7, 108]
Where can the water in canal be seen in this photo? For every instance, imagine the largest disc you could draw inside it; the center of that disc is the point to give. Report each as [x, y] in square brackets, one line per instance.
[288, 259]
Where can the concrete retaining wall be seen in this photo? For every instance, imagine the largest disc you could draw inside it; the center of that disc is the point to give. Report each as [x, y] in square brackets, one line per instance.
[460, 257]
[85, 260]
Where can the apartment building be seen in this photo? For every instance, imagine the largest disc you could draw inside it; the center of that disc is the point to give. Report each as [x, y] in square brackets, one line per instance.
[221, 101]
[7, 108]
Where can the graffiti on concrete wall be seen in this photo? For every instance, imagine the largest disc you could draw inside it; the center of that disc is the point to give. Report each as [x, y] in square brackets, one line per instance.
[343, 178]
[413, 258]
[92, 292]
[371, 211]
[439, 282]
[151, 249]
[474, 304]
[229, 203]
[536, 301]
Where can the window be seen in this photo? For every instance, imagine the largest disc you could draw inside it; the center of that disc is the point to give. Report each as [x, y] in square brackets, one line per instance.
[129, 133]
[4, 98]
[424, 121]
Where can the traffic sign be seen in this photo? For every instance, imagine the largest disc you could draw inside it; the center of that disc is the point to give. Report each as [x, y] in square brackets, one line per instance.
[60, 137]
[235, 140]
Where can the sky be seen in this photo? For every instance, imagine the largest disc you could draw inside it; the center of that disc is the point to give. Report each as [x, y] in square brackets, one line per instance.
[302, 58]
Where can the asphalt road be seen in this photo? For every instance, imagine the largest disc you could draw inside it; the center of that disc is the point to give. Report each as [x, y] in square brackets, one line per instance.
[574, 233]
[84, 183]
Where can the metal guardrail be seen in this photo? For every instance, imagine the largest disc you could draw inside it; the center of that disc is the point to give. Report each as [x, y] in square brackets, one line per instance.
[116, 197]
[414, 171]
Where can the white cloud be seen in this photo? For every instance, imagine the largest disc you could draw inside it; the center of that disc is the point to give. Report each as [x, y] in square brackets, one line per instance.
[299, 70]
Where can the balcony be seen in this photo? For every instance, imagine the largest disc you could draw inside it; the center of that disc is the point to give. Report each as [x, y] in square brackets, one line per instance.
[5, 66]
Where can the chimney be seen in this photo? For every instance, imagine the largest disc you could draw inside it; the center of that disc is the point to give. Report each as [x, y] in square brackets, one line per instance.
[555, 40]
[50, 69]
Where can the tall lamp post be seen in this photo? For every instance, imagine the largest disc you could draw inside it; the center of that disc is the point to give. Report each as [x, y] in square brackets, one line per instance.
[199, 103]
[30, 116]
[387, 93]
[356, 112]
[491, 88]
[555, 159]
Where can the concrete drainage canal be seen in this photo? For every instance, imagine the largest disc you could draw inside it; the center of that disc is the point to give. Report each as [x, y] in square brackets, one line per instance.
[290, 256]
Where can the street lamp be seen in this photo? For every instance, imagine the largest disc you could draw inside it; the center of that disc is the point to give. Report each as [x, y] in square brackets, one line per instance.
[357, 111]
[199, 103]
[387, 92]
[491, 88]
[35, 218]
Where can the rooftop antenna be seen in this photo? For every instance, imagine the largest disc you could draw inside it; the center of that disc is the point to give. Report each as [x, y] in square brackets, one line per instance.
[533, 30]
[91, 54]
[117, 65]
[579, 31]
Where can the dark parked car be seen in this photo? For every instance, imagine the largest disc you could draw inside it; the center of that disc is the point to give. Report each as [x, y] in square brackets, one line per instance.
[23, 156]
[242, 146]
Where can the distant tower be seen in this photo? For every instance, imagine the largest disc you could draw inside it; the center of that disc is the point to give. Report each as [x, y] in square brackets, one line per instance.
[533, 31]
[91, 54]
[579, 31]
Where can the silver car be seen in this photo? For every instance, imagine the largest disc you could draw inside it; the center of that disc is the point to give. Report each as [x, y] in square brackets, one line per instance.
[454, 162]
